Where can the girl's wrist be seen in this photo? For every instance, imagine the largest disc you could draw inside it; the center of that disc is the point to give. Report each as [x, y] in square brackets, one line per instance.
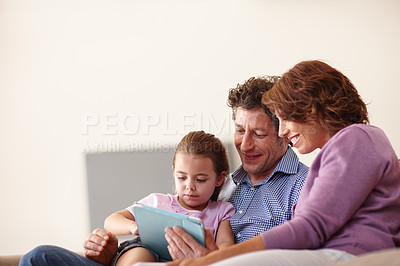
[133, 229]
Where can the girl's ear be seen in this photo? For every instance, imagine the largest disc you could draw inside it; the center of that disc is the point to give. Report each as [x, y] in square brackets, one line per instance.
[221, 178]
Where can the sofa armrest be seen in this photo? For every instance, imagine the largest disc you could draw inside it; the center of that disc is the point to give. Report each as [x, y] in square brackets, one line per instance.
[11, 260]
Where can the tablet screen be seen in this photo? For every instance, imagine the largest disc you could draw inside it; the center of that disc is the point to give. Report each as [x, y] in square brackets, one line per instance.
[151, 223]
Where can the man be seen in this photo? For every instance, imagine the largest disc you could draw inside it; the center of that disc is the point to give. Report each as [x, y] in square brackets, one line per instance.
[266, 186]
[268, 182]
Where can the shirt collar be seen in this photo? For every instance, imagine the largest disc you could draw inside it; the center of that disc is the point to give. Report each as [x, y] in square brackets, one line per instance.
[288, 165]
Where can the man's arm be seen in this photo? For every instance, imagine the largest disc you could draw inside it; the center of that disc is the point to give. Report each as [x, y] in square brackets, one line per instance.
[183, 245]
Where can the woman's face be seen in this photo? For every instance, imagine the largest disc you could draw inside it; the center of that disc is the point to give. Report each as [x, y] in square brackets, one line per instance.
[305, 137]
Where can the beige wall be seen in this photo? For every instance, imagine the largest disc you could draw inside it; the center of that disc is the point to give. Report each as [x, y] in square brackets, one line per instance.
[142, 73]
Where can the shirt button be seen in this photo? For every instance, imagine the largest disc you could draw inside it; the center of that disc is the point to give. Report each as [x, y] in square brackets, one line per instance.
[238, 235]
[252, 188]
[240, 211]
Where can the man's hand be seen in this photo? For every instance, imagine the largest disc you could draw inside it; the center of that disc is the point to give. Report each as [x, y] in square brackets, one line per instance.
[182, 245]
[101, 246]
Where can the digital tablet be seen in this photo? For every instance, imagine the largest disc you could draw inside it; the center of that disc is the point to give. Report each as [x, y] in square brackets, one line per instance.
[151, 223]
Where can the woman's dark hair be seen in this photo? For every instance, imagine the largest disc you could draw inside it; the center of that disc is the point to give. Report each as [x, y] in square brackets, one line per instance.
[314, 90]
[206, 145]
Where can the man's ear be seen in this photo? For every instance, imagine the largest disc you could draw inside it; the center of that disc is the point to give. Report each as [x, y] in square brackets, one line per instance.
[221, 179]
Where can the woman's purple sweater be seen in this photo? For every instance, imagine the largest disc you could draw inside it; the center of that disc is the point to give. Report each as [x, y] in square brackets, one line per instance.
[351, 198]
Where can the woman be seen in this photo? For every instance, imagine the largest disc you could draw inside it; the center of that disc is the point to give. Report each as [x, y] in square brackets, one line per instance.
[350, 202]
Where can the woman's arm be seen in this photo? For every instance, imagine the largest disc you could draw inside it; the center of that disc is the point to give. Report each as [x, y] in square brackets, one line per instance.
[182, 245]
[224, 236]
[253, 244]
[121, 223]
[337, 195]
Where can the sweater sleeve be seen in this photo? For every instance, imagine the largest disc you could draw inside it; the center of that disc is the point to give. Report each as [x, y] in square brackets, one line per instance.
[341, 178]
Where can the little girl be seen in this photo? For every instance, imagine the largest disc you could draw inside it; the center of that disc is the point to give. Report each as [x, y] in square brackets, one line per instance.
[200, 166]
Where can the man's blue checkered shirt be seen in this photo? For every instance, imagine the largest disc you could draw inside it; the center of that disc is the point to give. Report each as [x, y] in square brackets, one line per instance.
[269, 202]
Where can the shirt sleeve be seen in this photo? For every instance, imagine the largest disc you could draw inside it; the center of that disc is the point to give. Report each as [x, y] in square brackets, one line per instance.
[150, 200]
[228, 212]
[340, 180]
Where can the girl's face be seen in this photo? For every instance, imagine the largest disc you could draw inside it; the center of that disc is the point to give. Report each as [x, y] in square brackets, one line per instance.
[305, 137]
[195, 180]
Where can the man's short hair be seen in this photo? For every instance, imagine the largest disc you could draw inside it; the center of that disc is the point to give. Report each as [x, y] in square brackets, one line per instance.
[249, 95]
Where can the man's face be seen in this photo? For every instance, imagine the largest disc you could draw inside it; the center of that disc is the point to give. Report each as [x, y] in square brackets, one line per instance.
[257, 142]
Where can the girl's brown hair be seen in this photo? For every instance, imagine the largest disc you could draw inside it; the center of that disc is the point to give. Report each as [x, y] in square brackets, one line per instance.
[206, 145]
[314, 90]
